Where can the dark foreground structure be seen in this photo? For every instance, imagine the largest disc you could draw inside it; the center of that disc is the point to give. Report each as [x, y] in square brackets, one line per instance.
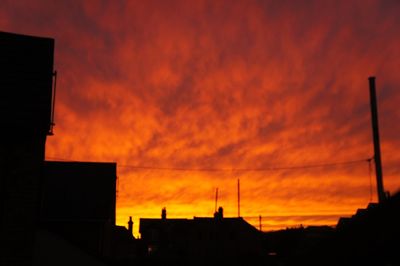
[370, 237]
[78, 204]
[26, 78]
[201, 240]
[51, 213]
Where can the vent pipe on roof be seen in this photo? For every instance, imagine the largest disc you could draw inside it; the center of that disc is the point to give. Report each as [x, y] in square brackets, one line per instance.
[221, 212]
[130, 225]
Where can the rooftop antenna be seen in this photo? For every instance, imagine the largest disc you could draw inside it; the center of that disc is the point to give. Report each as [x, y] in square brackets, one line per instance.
[238, 191]
[377, 147]
[216, 200]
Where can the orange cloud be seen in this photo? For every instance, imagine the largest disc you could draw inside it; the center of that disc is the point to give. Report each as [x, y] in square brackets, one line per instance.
[225, 85]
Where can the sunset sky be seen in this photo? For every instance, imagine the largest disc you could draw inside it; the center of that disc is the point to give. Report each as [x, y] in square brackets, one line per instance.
[169, 88]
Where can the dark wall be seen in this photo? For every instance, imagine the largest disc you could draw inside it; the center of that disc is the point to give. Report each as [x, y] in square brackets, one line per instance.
[26, 70]
[79, 191]
[26, 66]
[78, 203]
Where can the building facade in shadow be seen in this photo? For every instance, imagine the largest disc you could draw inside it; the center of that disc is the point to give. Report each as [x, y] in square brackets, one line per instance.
[26, 78]
[51, 212]
[78, 203]
[201, 240]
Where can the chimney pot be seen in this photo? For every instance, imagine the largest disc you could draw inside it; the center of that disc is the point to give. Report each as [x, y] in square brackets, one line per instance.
[164, 213]
[130, 225]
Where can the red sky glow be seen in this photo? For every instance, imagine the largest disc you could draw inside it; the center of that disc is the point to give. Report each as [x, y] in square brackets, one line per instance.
[224, 85]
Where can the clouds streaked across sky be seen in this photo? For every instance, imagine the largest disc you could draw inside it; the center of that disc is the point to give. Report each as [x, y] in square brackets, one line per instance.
[224, 84]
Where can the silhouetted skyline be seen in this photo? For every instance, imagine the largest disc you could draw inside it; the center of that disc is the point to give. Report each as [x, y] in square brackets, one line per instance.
[176, 84]
[64, 212]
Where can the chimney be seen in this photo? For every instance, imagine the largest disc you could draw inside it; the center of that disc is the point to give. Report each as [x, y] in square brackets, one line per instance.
[164, 214]
[377, 147]
[130, 225]
[221, 212]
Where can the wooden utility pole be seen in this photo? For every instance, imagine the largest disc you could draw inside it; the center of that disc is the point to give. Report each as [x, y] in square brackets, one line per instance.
[377, 147]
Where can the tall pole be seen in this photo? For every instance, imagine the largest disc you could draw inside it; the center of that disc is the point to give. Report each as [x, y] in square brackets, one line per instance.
[238, 188]
[377, 147]
[216, 200]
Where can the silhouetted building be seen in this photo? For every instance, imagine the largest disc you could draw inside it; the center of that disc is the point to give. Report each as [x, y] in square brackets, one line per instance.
[200, 240]
[53, 249]
[51, 213]
[78, 203]
[297, 246]
[79, 191]
[371, 236]
[125, 248]
[26, 78]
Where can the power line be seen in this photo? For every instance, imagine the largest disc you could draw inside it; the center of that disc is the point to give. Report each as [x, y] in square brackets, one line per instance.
[60, 159]
[263, 169]
[297, 167]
